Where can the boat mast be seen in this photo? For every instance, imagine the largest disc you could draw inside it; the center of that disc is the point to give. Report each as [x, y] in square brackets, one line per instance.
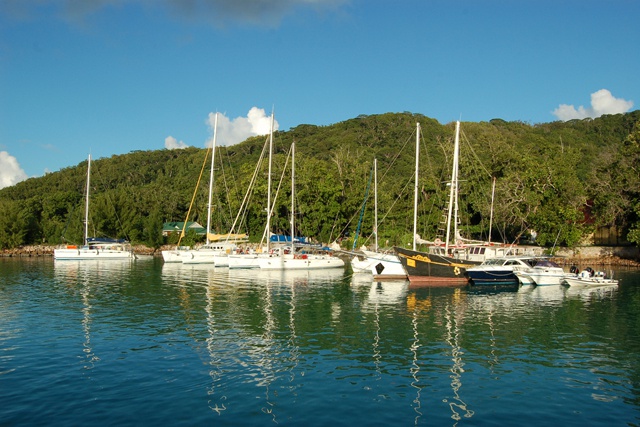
[86, 202]
[213, 157]
[453, 192]
[293, 193]
[375, 202]
[415, 188]
[268, 229]
[456, 153]
[493, 192]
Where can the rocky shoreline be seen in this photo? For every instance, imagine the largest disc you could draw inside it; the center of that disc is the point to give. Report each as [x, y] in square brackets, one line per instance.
[591, 256]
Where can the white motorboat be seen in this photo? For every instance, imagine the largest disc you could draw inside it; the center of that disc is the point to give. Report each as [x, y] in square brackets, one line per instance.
[543, 273]
[592, 278]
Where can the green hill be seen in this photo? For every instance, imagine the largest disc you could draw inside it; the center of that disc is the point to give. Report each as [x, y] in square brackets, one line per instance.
[561, 179]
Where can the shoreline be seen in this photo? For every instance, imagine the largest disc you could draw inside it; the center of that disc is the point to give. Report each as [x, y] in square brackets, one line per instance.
[591, 256]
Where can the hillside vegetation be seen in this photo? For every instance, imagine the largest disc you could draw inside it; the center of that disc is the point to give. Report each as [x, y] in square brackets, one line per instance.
[561, 179]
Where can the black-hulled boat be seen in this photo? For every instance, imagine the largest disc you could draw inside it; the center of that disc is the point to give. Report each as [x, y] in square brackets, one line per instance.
[434, 269]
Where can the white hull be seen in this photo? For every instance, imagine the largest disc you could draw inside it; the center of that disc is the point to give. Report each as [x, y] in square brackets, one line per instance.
[591, 281]
[82, 253]
[244, 261]
[174, 255]
[388, 265]
[300, 262]
[543, 277]
[206, 257]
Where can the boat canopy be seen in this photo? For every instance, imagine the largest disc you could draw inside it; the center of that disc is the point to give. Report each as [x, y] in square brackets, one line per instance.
[228, 237]
[103, 240]
[283, 238]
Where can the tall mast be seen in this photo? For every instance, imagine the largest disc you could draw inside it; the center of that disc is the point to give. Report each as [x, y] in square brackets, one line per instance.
[86, 202]
[268, 230]
[415, 188]
[293, 193]
[493, 192]
[453, 191]
[213, 157]
[375, 202]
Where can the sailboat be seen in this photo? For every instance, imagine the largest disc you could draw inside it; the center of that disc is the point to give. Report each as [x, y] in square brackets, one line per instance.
[251, 259]
[297, 259]
[445, 262]
[380, 265]
[217, 247]
[94, 248]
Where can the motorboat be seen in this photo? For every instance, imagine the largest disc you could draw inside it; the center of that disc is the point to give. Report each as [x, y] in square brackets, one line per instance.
[543, 273]
[500, 271]
[589, 277]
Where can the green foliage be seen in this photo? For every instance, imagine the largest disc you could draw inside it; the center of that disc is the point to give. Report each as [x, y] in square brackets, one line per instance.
[549, 177]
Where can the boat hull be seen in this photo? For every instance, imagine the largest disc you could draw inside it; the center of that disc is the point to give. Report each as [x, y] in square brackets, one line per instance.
[381, 266]
[492, 277]
[243, 261]
[82, 253]
[174, 255]
[589, 282]
[300, 262]
[434, 270]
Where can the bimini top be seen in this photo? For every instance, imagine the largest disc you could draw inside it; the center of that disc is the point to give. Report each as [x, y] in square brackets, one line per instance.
[98, 240]
[283, 238]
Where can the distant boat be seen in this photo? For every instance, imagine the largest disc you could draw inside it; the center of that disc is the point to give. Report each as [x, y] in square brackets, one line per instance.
[94, 248]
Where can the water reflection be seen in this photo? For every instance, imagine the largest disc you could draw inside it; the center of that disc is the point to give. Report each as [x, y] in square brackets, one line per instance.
[87, 276]
[452, 337]
[215, 346]
[216, 400]
[591, 294]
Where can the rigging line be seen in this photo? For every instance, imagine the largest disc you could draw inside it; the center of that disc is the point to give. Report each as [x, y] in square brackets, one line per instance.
[226, 188]
[233, 180]
[275, 197]
[393, 160]
[249, 191]
[364, 204]
[195, 191]
[473, 152]
[110, 201]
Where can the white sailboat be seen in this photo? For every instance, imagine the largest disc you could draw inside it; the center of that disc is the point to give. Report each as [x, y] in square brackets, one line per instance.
[296, 259]
[251, 259]
[216, 249]
[380, 265]
[94, 248]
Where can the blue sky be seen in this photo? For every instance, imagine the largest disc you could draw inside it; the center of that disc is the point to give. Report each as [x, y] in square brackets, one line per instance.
[110, 76]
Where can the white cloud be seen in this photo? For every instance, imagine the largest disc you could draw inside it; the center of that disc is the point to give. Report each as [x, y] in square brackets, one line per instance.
[172, 144]
[602, 102]
[231, 132]
[10, 171]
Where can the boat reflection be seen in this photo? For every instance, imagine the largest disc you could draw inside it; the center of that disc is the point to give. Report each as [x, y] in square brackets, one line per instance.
[453, 316]
[217, 401]
[550, 295]
[87, 277]
[590, 294]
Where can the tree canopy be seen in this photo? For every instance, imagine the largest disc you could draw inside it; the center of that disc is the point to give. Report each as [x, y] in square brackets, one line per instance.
[561, 179]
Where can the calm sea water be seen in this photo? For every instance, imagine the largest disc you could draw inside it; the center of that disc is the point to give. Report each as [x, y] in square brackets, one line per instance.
[142, 343]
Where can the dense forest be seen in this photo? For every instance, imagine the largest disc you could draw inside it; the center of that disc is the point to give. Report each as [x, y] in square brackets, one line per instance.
[561, 179]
